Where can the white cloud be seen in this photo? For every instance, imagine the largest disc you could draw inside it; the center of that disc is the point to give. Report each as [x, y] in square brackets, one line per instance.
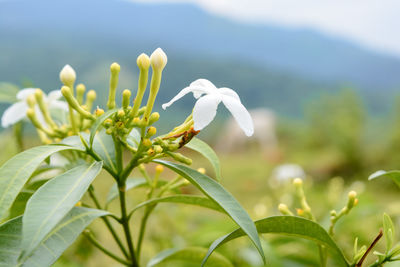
[373, 23]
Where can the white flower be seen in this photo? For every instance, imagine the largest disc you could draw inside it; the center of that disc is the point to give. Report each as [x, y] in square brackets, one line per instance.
[158, 59]
[209, 97]
[17, 111]
[67, 75]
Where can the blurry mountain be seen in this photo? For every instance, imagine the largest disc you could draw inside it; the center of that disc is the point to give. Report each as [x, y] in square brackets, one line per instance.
[269, 65]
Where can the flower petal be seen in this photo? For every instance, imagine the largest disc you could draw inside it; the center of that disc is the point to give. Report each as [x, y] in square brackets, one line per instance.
[183, 92]
[56, 104]
[14, 114]
[54, 95]
[228, 92]
[24, 93]
[240, 113]
[203, 83]
[204, 110]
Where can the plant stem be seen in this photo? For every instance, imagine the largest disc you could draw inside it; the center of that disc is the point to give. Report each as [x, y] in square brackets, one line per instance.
[143, 229]
[359, 264]
[125, 221]
[108, 224]
[91, 238]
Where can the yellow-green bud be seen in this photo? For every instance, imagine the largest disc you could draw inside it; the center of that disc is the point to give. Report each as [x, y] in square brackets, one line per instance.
[115, 68]
[126, 98]
[151, 152]
[107, 123]
[146, 142]
[284, 209]
[121, 114]
[201, 170]
[143, 61]
[153, 118]
[298, 182]
[179, 157]
[99, 112]
[136, 122]
[68, 76]
[38, 95]
[159, 168]
[31, 101]
[151, 131]
[67, 93]
[120, 125]
[80, 92]
[158, 59]
[90, 98]
[352, 200]
[109, 131]
[158, 149]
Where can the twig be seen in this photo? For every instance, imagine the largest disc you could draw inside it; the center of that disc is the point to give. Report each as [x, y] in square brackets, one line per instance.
[360, 262]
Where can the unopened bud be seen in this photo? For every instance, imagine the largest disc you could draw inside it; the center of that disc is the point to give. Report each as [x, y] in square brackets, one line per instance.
[201, 170]
[159, 168]
[38, 95]
[109, 131]
[80, 92]
[158, 149]
[107, 123]
[153, 118]
[120, 125]
[297, 182]
[99, 112]
[136, 122]
[120, 114]
[68, 76]
[90, 98]
[352, 199]
[143, 61]
[283, 208]
[179, 157]
[126, 98]
[151, 131]
[158, 59]
[31, 101]
[146, 142]
[115, 68]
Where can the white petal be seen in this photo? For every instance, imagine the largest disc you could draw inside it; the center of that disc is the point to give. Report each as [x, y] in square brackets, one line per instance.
[56, 104]
[203, 83]
[229, 92]
[183, 92]
[240, 113]
[54, 95]
[24, 93]
[204, 110]
[14, 114]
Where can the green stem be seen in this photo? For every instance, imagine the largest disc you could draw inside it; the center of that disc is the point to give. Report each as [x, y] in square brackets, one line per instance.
[322, 255]
[142, 230]
[108, 223]
[125, 221]
[91, 238]
[118, 151]
[18, 132]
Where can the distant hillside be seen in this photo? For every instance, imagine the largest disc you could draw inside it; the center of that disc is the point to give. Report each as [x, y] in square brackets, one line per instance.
[264, 63]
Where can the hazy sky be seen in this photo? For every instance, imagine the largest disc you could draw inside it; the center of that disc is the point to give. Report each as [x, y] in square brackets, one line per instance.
[373, 23]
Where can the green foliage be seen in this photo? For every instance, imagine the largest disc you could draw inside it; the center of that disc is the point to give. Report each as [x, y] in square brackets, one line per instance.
[205, 150]
[16, 172]
[8, 92]
[218, 194]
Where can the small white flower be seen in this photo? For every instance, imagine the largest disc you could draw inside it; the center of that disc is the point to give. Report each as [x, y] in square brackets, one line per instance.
[67, 75]
[209, 97]
[17, 111]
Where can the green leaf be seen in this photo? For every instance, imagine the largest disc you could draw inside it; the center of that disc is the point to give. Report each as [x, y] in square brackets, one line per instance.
[17, 170]
[191, 254]
[133, 138]
[8, 92]
[103, 145]
[10, 238]
[130, 184]
[204, 149]
[223, 198]
[289, 225]
[183, 199]
[388, 231]
[98, 124]
[52, 201]
[62, 236]
[394, 175]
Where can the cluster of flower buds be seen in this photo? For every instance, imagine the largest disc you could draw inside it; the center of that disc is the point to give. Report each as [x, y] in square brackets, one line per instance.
[119, 122]
[335, 216]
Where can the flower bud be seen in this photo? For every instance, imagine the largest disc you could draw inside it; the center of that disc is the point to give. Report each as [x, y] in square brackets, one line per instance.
[80, 91]
[126, 98]
[283, 208]
[99, 112]
[143, 61]
[68, 76]
[158, 59]
[120, 114]
[179, 157]
[109, 131]
[67, 93]
[159, 168]
[158, 149]
[153, 118]
[201, 170]
[107, 123]
[146, 142]
[90, 98]
[31, 101]
[151, 131]
[298, 182]
[115, 69]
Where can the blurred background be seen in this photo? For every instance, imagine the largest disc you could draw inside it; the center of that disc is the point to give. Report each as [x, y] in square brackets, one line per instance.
[321, 78]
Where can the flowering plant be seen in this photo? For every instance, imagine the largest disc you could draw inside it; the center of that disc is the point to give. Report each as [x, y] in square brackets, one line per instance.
[42, 215]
